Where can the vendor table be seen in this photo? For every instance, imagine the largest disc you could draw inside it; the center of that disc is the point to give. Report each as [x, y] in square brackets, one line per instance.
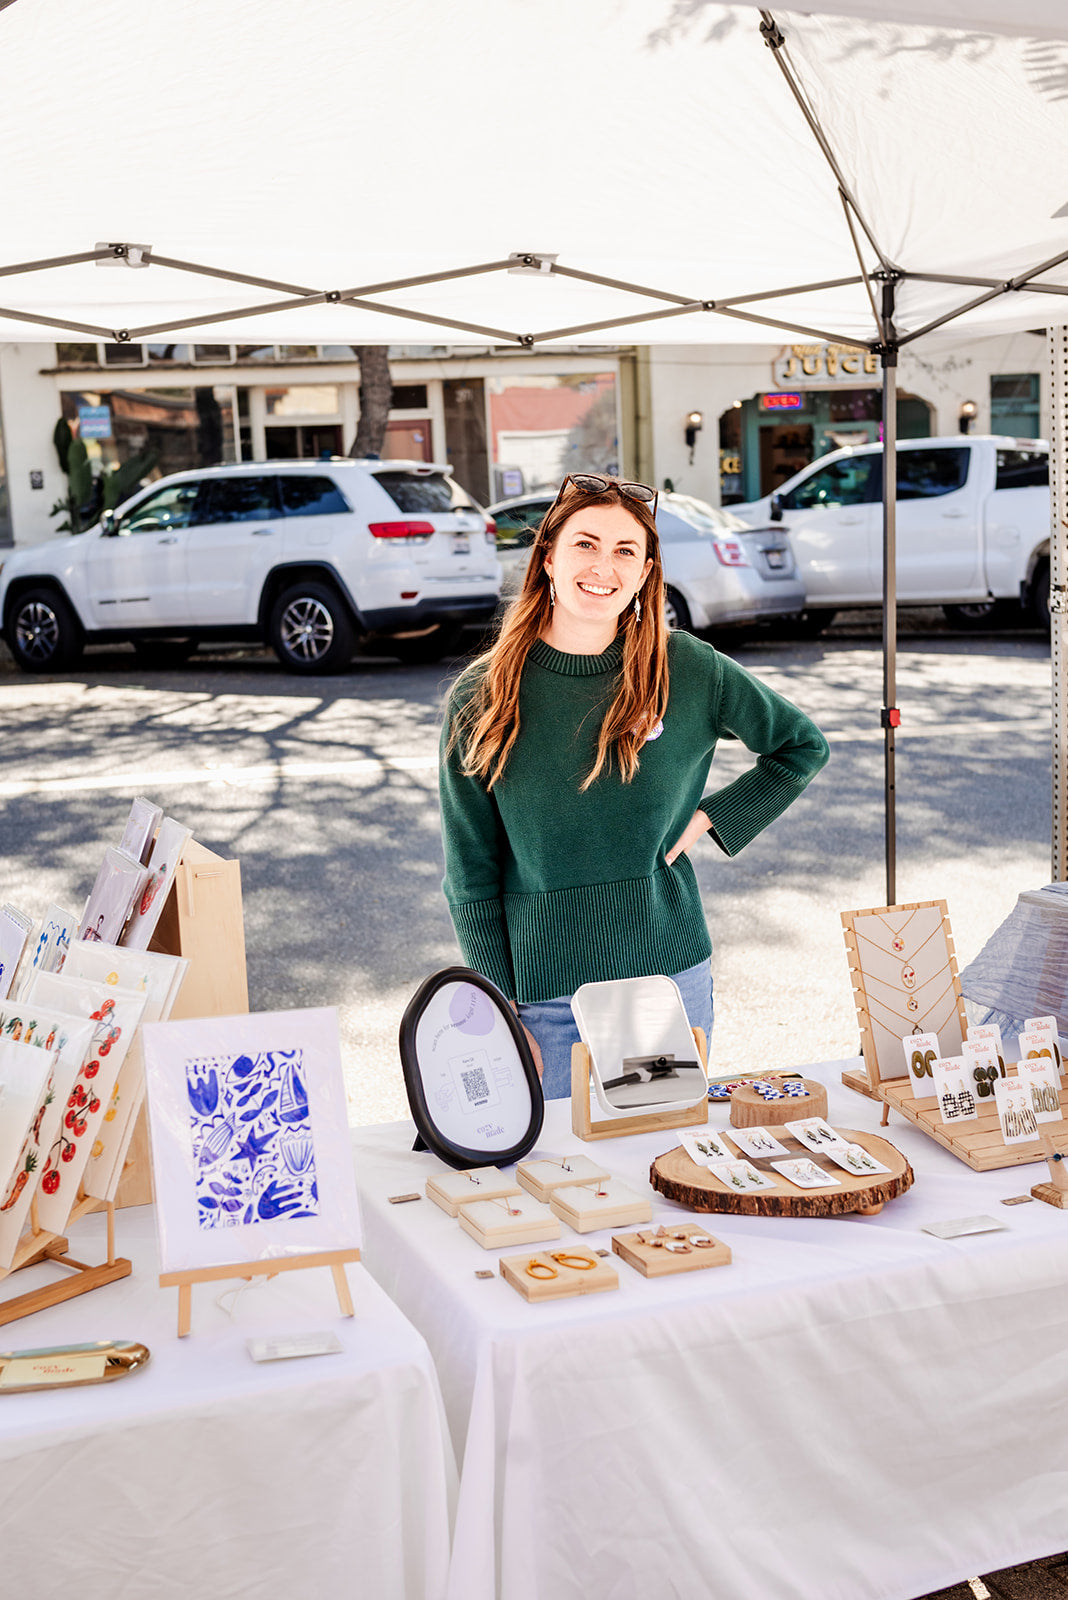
[852, 1410]
[209, 1474]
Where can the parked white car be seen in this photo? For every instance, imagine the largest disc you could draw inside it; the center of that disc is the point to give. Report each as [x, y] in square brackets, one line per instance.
[308, 556]
[972, 526]
[717, 570]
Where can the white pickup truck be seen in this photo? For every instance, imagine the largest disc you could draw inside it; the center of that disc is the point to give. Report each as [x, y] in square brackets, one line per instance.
[972, 527]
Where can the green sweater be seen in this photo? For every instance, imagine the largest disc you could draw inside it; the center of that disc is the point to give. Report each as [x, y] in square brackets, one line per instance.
[550, 888]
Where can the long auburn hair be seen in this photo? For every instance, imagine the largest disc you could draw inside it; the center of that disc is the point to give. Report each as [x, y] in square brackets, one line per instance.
[488, 724]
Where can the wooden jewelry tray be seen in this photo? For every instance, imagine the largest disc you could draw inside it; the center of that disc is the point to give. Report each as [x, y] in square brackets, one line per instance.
[657, 1261]
[583, 1211]
[566, 1280]
[492, 1226]
[679, 1178]
[540, 1177]
[485, 1183]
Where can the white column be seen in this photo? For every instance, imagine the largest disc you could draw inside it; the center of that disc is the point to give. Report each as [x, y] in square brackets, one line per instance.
[1058, 591]
[257, 414]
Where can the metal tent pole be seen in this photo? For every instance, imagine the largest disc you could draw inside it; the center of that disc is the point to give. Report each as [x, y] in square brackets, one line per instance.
[891, 717]
[1058, 592]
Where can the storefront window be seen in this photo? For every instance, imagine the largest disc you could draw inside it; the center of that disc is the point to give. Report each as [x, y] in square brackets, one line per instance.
[182, 428]
[1014, 405]
[303, 400]
[77, 355]
[544, 426]
[168, 352]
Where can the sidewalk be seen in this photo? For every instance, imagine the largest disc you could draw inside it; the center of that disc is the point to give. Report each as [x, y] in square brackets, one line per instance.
[1035, 1580]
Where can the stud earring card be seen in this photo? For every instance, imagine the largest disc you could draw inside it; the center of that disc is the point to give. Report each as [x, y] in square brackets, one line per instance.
[922, 1050]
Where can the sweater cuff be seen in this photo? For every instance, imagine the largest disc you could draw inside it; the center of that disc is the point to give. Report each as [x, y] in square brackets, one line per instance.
[483, 940]
[741, 810]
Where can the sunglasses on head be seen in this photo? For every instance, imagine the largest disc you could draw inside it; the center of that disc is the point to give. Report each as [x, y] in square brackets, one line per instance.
[594, 483]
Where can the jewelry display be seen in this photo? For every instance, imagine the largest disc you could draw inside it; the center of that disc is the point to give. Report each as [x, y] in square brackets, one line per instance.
[541, 1175]
[806, 1174]
[1051, 1026]
[815, 1134]
[451, 1190]
[757, 1142]
[556, 1277]
[741, 1176]
[603, 1203]
[956, 1102]
[511, 1219]
[663, 1252]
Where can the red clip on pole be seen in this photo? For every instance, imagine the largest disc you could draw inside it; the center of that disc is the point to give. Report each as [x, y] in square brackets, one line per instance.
[891, 717]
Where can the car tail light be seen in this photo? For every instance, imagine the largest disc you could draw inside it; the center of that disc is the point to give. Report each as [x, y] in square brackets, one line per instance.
[730, 553]
[491, 529]
[401, 530]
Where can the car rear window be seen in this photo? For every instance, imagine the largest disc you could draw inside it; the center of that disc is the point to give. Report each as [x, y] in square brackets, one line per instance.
[1022, 469]
[424, 491]
[311, 497]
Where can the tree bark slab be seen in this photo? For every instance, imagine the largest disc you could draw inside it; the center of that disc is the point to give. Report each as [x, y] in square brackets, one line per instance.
[679, 1178]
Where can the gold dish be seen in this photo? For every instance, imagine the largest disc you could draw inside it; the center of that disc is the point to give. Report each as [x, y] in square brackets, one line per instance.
[121, 1357]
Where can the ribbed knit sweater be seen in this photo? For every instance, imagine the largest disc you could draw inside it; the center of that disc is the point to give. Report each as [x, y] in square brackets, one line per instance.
[550, 888]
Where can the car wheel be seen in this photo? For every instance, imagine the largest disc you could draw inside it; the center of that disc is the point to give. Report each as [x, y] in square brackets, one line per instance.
[809, 624]
[43, 633]
[676, 611]
[311, 630]
[1038, 596]
[967, 618]
[422, 648]
[164, 652]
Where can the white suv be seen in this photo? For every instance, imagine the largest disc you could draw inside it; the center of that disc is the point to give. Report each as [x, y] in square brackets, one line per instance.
[308, 556]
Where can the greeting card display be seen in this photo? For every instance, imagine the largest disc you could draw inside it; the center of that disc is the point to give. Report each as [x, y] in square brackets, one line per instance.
[904, 973]
[15, 930]
[148, 904]
[111, 899]
[472, 1085]
[140, 830]
[250, 1144]
[57, 933]
[24, 1073]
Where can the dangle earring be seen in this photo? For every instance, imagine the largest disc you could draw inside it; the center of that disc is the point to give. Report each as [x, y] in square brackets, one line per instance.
[552, 593]
[637, 608]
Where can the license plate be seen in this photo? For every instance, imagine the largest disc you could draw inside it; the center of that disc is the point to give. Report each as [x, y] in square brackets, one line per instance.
[461, 545]
[776, 558]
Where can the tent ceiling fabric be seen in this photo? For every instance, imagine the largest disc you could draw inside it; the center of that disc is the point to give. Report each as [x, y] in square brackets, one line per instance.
[330, 147]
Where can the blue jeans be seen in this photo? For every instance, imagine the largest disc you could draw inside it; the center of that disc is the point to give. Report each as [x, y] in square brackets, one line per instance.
[553, 1026]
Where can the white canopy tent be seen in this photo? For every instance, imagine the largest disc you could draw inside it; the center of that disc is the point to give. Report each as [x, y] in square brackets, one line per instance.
[518, 172]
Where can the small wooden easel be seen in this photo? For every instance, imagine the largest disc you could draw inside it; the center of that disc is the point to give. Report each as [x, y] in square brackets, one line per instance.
[184, 1281]
[37, 1246]
[583, 1125]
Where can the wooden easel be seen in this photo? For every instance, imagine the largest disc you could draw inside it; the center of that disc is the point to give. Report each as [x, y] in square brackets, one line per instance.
[184, 1281]
[38, 1246]
[583, 1125]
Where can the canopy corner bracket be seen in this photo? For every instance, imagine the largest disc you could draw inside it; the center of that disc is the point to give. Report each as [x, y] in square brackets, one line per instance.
[531, 264]
[123, 255]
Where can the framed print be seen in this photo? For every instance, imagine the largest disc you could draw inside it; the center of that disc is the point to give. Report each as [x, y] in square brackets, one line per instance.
[171, 840]
[250, 1139]
[472, 1085]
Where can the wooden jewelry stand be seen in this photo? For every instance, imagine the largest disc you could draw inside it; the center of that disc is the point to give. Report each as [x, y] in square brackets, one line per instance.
[583, 1125]
[184, 1281]
[39, 1246]
[1055, 1192]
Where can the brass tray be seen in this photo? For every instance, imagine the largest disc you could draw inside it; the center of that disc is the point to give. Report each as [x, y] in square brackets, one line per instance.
[122, 1357]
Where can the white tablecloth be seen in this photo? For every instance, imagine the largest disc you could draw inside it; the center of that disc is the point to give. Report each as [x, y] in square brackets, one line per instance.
[209, 1474]
[853, 1410]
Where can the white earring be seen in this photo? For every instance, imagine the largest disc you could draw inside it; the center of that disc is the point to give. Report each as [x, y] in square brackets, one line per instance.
[637, 608]
[552, 592]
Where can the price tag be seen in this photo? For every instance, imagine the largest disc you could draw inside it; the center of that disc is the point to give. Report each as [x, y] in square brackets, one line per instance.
[40, 1371]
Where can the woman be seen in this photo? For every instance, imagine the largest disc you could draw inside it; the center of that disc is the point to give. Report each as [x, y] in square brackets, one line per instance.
[574, 760]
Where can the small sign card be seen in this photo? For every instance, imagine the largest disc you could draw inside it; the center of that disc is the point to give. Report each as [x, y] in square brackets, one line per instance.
[953, 1088]
[807, 1175]
[1015, 1112]
[1043, 1080]
[757, 1142]
[962, 1225]
[740, 1175]
[815, 1134]
[854, 1158]
[704, 1148]
[981, 1066]
[922, 1050]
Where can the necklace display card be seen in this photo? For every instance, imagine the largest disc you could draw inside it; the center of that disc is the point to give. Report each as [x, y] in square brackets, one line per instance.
[954, 1090]
[922, 1050]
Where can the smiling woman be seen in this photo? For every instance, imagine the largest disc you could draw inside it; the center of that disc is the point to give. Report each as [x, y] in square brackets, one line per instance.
[574, 760]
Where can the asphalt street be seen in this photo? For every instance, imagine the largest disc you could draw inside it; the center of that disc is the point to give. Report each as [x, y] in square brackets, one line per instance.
[325, 789]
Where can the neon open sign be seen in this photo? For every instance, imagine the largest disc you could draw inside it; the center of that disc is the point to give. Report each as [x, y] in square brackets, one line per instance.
[781, 402]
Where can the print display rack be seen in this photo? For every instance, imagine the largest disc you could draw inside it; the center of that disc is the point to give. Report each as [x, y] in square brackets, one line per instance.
[904, 970]
[584, 1127]
[39, 1246]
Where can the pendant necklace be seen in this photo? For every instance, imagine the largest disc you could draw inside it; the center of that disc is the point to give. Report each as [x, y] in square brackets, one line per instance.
[897, 943]
[913, 1005]
[908, 971]
[513, 1211]
[909, 982]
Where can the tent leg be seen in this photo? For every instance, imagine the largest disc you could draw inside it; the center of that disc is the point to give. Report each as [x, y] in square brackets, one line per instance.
[1058, 596]
[891, 716]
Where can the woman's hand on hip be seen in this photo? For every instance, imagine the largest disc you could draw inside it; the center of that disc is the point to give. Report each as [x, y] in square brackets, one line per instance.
[535, 1047]
[698, 824]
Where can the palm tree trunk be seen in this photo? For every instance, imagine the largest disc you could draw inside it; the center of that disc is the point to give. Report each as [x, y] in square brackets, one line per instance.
[375, 390]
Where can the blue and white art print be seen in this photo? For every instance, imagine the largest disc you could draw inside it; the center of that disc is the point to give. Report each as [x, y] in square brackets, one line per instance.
[250, 1140]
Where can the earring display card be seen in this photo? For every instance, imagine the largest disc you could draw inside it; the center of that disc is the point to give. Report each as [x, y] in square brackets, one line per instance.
[1052, 1027]
[1039, 1044]
[904, 974]
[704, 1148]
[954, 1090]
[15, 930]
[1043, 1081]
[555, 1275]
[922, 1050]
[542, 1175]
[806, 1175]
[659, 1253]
[741, 1176]
[815, 1134]
[604, 1204]
[451, 1190]
[171, 840]
[140, 829]
[854, 1158]
[1019, 1124]
[757, 1142]
[981, 1066]
[513, 1219]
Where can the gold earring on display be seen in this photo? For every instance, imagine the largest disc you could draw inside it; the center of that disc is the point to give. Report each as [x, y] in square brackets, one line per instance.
[540, 1269]
[576, 1262]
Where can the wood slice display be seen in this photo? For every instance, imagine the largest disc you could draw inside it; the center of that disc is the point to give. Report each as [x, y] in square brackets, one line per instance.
[748, 1110]
[679, 1178]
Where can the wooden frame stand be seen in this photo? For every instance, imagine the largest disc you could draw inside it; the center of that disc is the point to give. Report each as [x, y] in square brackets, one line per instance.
[584, 1127]
[38, 1246]
[183, 1281]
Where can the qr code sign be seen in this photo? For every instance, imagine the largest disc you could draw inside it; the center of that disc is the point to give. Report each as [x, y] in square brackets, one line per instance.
[475, 1086]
